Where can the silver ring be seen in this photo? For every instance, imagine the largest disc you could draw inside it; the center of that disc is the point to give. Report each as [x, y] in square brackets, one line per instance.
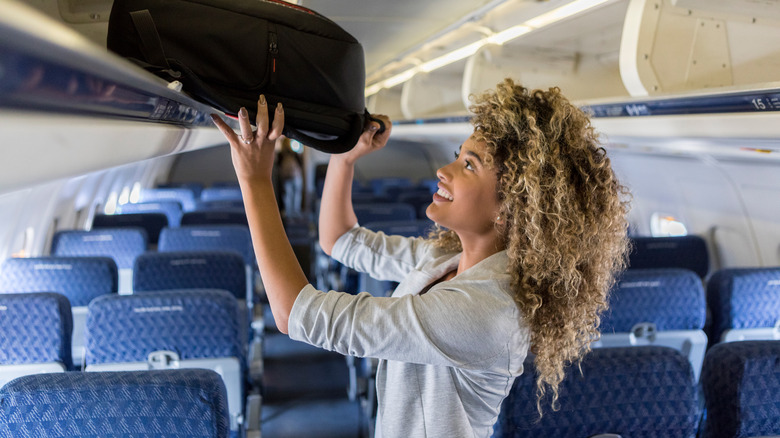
[245, 140]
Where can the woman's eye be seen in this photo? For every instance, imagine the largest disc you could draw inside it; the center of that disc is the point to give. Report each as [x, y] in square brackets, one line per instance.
[468, 165]
[457, 155]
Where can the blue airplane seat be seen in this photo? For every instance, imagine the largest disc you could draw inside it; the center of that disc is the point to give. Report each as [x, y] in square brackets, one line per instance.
[741, 384]
[232, 193]
[183, 195]
[745, 304]
[376, 212]
[219, 205]
[194, 187]
[171, 209]
[688, 252]
[381, 186]
[121, 244]
[80, 279]
[218, 237]
[637, 392]
[36, 334]
[657, 307]
[191, 270]
[187, 403]
[151, 223]
[170, 329]
[234, 216]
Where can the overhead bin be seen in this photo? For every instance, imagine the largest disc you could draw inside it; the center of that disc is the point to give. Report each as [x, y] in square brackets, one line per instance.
[682, 45]
[85, 108]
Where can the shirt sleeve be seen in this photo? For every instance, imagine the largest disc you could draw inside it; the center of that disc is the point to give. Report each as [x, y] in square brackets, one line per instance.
[445, 326]
[381, 256]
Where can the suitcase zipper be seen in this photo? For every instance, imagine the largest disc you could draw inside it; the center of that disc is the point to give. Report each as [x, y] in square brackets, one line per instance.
[273, 49]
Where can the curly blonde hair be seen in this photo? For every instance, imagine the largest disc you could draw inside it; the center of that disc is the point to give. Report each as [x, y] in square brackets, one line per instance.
[565, 213]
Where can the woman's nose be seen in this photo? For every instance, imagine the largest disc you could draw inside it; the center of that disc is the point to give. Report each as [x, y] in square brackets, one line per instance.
[443, 173]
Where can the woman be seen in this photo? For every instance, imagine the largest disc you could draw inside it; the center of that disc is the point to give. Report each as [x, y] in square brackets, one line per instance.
[533, 234]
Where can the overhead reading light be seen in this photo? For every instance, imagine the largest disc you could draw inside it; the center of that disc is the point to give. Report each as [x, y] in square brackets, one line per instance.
[570, 9]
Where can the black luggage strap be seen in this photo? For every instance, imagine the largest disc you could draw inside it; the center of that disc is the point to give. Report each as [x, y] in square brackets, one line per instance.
[151, 45]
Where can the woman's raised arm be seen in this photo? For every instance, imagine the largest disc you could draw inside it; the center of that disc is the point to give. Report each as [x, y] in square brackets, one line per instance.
[336, 213]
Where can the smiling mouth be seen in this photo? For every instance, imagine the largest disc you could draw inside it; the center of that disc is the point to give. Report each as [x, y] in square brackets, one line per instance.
[443, 194]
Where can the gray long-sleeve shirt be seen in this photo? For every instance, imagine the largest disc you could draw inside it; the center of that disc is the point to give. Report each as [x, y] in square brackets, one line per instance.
[447, 357]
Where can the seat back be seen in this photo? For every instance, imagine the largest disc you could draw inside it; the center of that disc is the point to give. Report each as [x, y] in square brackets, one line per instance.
[221, 194]
[121, 244]
[377, 212]
[745, 304]
[151, 223]
[169, 329]
[235, 216]
[632, 392]
[171, 210]
[36, 334]
[191, 270]
[80, 279]
[663, 307]
[687, 252]
[741, 383]
[234, 238]
[171, 403]
[182, 195]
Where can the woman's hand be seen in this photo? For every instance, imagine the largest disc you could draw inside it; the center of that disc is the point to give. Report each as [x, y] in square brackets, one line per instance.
[371, 140]
[253, 152]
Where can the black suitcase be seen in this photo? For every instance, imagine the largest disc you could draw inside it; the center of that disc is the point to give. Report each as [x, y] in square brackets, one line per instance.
[227, 52]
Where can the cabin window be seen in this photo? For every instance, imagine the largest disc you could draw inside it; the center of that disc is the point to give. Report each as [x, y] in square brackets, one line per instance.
[666, 225]
[25, 249]
[124, 196]
[135, 193]
[110, 207]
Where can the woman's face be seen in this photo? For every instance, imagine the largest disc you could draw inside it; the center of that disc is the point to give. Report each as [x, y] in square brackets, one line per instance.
[467, 201]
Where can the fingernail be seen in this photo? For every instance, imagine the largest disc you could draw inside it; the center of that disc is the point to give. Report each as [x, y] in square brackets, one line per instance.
[279, 107]
[374, 127]
[261, 100]
[242, 112]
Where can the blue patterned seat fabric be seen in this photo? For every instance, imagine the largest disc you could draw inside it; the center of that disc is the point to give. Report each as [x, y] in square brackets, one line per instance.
[186, 403]
[36, 328]
[190, 270]
[743, 298]
[688, 252]
[193, 323]
[80, 279]
[182, 195]
[741, 382]
[209, 238]
[635, 392]
[121, 244]
[672, 299]
[171, 210]
[151, 223]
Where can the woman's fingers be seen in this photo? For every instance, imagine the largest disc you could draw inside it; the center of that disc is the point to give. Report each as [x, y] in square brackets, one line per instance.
[224, 128]
[278, 125]
[247, 136]
[262, 116]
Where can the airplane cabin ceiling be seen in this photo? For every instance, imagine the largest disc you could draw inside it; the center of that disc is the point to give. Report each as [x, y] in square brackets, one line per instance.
[389, 28]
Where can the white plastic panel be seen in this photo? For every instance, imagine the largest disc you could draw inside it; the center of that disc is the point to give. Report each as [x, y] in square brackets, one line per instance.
[10, 372]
